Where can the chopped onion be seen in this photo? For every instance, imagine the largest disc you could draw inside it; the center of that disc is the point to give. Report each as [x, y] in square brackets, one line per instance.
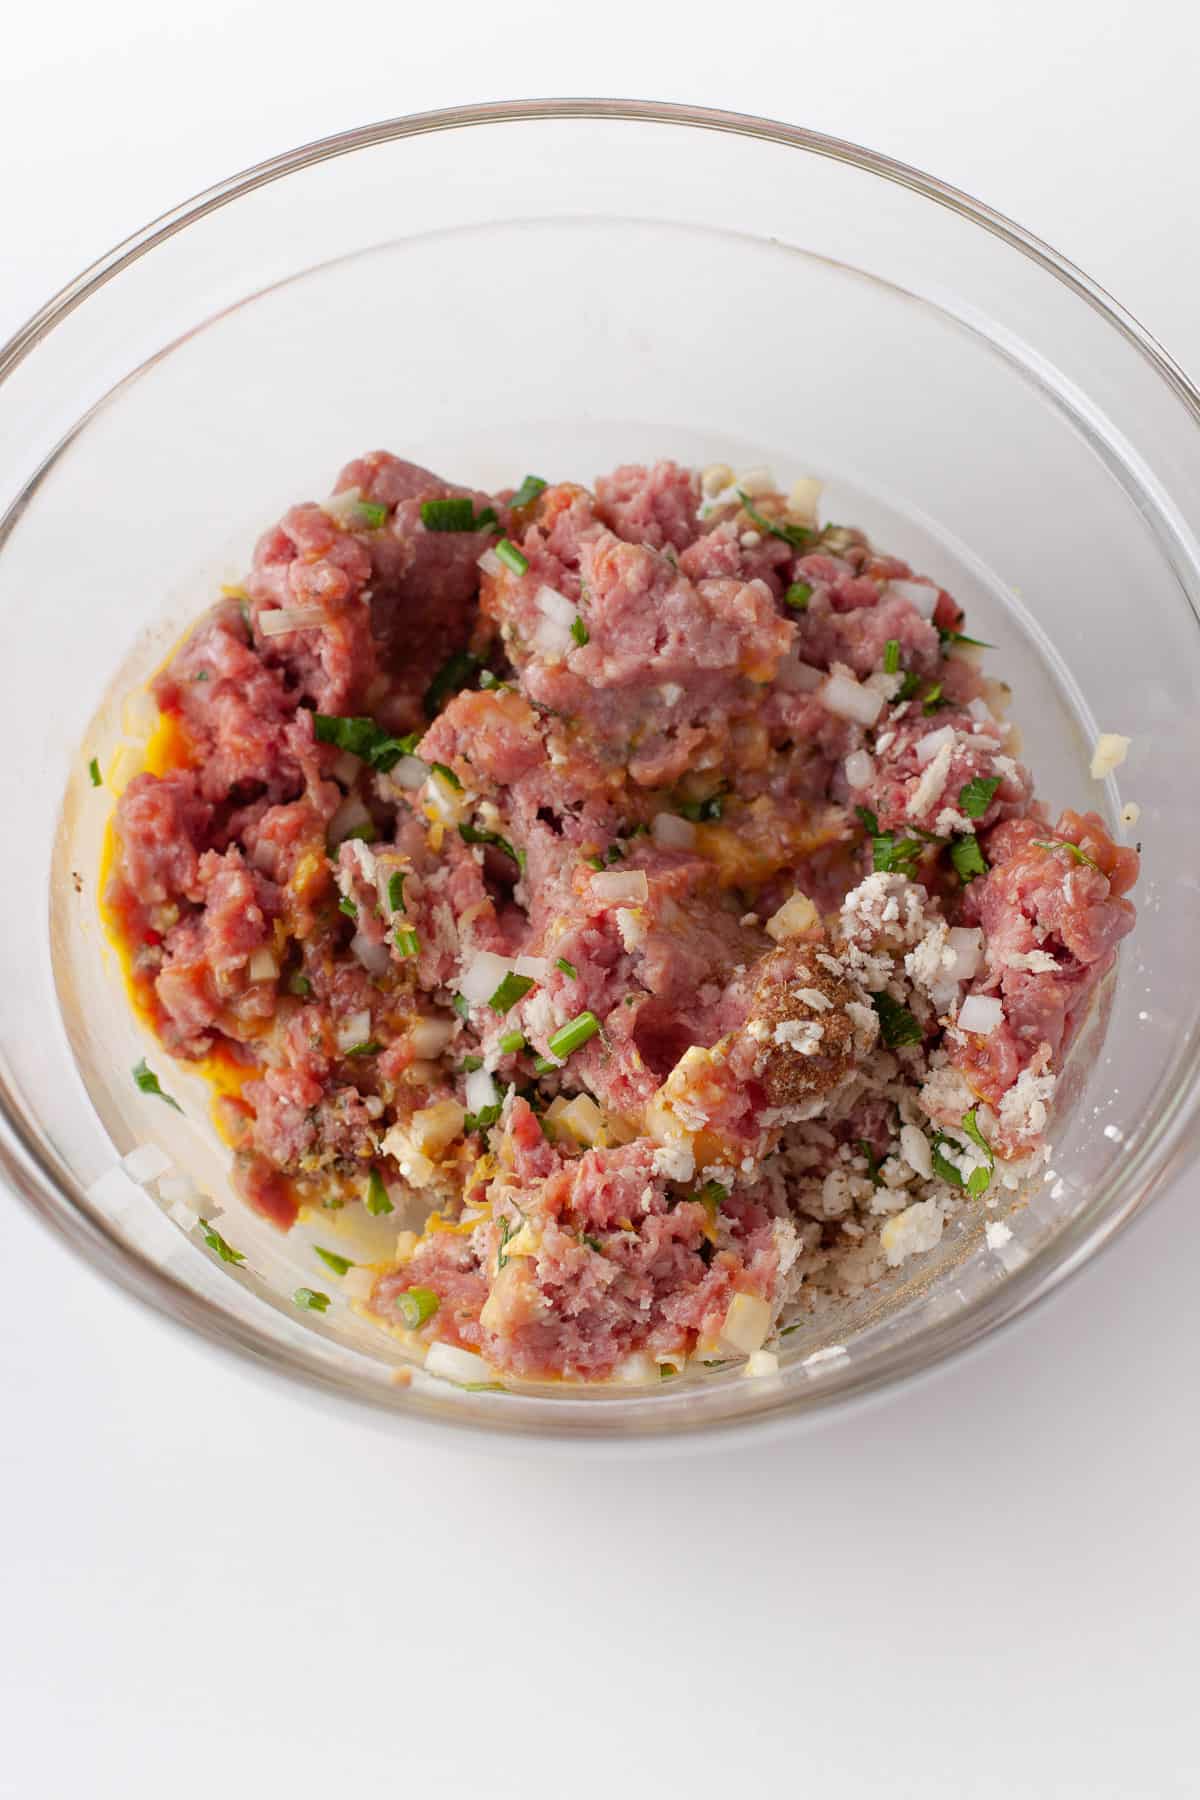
[139, 714]
[178, 1189]
[635, 1370]
[345, 768]
[796, 916]
[350, 816]
[356, 1029]
[183, 1215]
[979, 1014]
[859, 769]
[761, 1362]
[556, 606]
[280, 619]
[756, 481]
[457, 1365]
[357, 1283]
[551, 639]
[364, 857]
[375, 958]
[481, 1090]
[410, 772]
[747, 1322]
[848, 699]
[619, 887]
[671, 832]
[918, 594]
[483, 976]
[803, 499]
[146, 1163]
[931, 743]
[489, 562]
[1110, 752]
[798, 677]
[344, 506]
[533, 966]
[447, 801]
[429, 1037]
[966, 944]
[263, 966]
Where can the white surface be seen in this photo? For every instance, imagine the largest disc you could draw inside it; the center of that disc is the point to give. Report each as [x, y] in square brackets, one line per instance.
[987, 1587]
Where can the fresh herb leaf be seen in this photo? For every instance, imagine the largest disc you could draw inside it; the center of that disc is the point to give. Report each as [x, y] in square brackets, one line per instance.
[457, 513]
[331, 1259]
[947, 1170]
[967, 857]
[215, 1241]
[908, 687]
[573, 1035]
[459, 1003]
[798, 536]
[311, 1298]
[700, 810]
[416, 1305]
[348, 907]
[1073, 850]
[798, 595]
[299, 985]
[890, 854]
[471, 834]
[146, 1081]
[507, 1230]
[447, 775]
[978, 1179]
[451, 678]
[514, 987]
[94, 772]
[377, 1202]
[373, 516]
[891, 657]
[593, 1243]
[363, 738]
[873, 1161]
[975, 796]
[479, 1121]
[897, 1027]
[958, 637]
[469, 1064]
[594, 862]
[511, 557]
[615, 853]
[932, 699]
[368, 1047]
[512, 1042]
[530, 488]
[579, 631]
[712, 1197]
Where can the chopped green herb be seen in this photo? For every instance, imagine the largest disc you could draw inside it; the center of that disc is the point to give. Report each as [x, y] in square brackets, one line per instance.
[593, 1243]
[215, 1241]
[512, 1042]
[511, 557]
[530, 488]
[614, 853]
[407, 942]
[579, 631]
[363, 738]
[948, 1171]
[415, 1305]
[451, 678]
[967, 857]
[377, 1202]
[666, 1372]
[146, 1081]
[932, 699]
[202, 675]
[798, 595]
[348, 907]
[700, 810]
[395, 890]
[367, 833]
[469, 1064]
[299, 985]
[1073, 850]
[873, 1161]
[94, 772]
[373, 516]
[798, 536]
[958, 637]
[491, 682]
[908, 687]
[331, 1259]
[976, 796]
[897, 1027]
[891, 657]
[573, 1035]
[487, 1115]
[507, 1230]
[459, 1003]
[471, 834]
[594, 862]
[890, 854]
[312, 1298]
[368, 1047]
[447, 775]
[566, 967]
[514, 987]
[978, 1179]
[712, 1197]
[455, 514]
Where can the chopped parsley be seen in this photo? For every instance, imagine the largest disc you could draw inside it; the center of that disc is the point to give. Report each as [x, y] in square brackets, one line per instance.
[967, 857]
[970, 1124]
[891, 657]
[1073, 850]
[530, 488]
[299, 985]
[579, 631]
[514, 987]
[377, 1202]
[94, 772]
[331, 1259]
[511, 557]
[959, 637]
[712, 1197]
[146, 1081]
[975, 796]
[572, 1036]
[415, 1305]
[311, 1298]
[701, 810]
[908, 687]
[479, 1121]
[223, 1248]
[471, 834]
[459, 1003]
[897, 1027]
[451, 678]
[447, 775]
[798, 536]
[977, 1181]
[593, 1243]
[932, 698]
[455, 514]
[363, 738]
[512, 1042]
[566, 968]
[395, 890]
[407, 941]
[890, 854]
[798, 595]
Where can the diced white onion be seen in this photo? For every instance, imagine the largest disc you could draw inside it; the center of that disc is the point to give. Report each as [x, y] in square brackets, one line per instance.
[980, 1014]
[178, 1189]
[1110, 752]
[798, 677]
[914, 1148]
[481, 1090]
[966, 944]
[447, 801]
[756, 481]
[848, 699]
[714, 479]
[483, 976]
[489, 562]
[183, 1215]
[139, 714]
[365, 858]
[551, 639]
[533, 966]
[274, 622]
[263, 965]
[375, 958]
[795, 916]
[617, 887]
[931, 743]
[429, 1037]
[350, 816]
[457, 1365]
[146, 1163]
[635, 1370]
[859, 769]
[671, 832]
[556, 606]
[747, 1322]
[804, 498]
[344, 507]
[410, 772]
[357, 1284]
[356, 1029]
[761, 1362]
[345, 767]
[924, 598]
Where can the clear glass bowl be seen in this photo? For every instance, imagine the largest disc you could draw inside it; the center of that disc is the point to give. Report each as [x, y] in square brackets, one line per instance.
[561, 286]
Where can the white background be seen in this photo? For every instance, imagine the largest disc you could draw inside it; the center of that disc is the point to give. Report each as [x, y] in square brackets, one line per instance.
[987, 1586]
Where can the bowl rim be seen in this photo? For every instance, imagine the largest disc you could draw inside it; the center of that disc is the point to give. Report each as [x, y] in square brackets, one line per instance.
[34, 1173]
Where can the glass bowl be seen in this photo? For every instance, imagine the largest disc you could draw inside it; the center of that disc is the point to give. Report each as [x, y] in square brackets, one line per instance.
[562, 285]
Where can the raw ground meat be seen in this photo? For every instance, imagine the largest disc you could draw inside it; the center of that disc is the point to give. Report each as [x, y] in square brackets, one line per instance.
[635, 896]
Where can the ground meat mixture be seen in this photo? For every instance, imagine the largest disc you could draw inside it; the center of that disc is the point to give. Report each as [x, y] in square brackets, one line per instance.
[636, 896]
